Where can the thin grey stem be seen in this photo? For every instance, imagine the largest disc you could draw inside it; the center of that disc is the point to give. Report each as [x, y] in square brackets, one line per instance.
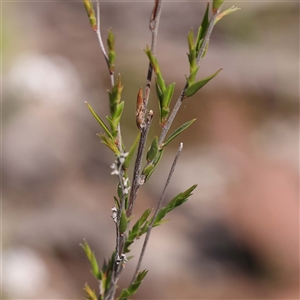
[153, 25]
[172, 116]
[137, 167]
[119, 239]
[98, 32]
[207, 36]
[147, 237]
[122, 205]
[111, 292]
[181, 97]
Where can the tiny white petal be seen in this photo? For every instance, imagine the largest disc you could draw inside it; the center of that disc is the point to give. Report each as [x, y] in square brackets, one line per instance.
[125, 181]
[115, 172]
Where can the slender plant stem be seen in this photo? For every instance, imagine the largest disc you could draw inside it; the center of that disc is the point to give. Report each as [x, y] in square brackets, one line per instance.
[119, 238]
[153, 25]
[137, 166]
[136, 181]
[147, 237]
[111, 73]
[207, 35]
[122, 205]
[181, 97]
[172, 116]
[98, 32]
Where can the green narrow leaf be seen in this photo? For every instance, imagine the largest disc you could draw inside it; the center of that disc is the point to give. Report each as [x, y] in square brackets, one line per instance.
[164, 115]
[124, 295]
[90, 293]
[178, 131]
[131, 152]
[95, 267]
[152, 59]
[139, 223]
[92, 259]
[119, 111]
[113, 126]
[91, 13]
[191, 42]
[117, 203]
[111, 50]
[159, 94]
[88, 252]
[160, 81]
[205, 49]
[123, 222]
[119, 191]
[158, 223]
[115, 96]
[107, 270]
[192, 60]
[216, 5]
[176, 201]
[153, 150]
[148, 169]
[132, 289]
[202, 29]
[226, 12]
[168, 94]
[195, 87]
[191, 79]
[99, 120]
[158, 91]
[156, 68]
[109, 143]
[114, 120]
[111, 60]
[111, 40]
[154, 164]
[111, 262]
[137, 230]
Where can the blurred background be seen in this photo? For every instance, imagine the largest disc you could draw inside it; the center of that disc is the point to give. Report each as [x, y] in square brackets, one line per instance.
[238, 235]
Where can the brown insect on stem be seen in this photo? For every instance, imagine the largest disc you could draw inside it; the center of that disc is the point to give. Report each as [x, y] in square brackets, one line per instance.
[140, 110]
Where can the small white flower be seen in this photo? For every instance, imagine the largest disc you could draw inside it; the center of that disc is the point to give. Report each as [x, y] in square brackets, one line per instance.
[142, 180]
[122, 157]
[115, 172]
[115, 169]
[126, 190]
[125, 180]
[114, 214]
[124, 257]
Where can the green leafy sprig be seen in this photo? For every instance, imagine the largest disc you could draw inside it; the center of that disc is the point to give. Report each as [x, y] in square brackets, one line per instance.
[127, 191]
